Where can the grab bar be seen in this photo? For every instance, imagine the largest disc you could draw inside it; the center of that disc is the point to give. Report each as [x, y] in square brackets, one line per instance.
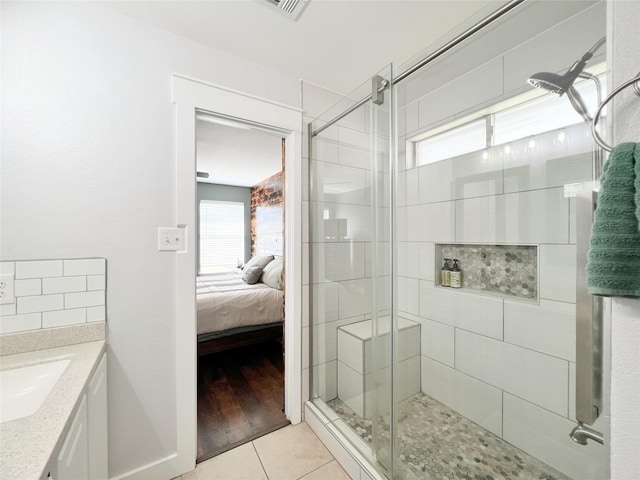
[588, 328]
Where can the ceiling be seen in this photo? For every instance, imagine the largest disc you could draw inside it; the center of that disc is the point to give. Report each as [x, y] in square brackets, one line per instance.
[337, 44]
[232, 155]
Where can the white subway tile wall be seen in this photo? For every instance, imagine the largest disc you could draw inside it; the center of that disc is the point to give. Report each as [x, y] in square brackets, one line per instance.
[28, 287]
[54, 293]
[474, 399]
[38, 269]
[506, 364]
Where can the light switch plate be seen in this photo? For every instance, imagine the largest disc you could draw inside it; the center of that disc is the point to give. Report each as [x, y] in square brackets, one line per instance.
[7, 289]
[171, 239]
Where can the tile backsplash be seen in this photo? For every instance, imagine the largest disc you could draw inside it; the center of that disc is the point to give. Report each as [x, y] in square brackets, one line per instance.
[54, 293]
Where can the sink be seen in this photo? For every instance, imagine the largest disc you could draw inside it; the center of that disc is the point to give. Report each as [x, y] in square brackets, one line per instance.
[24, 389]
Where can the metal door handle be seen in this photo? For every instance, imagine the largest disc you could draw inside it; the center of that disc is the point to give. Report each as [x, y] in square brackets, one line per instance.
[588, 329]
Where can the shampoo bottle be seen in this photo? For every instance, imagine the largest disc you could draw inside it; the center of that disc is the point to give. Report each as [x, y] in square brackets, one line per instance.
[445, 273]
[455, 275]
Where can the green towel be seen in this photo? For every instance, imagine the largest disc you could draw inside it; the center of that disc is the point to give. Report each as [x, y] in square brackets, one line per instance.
[613, 267]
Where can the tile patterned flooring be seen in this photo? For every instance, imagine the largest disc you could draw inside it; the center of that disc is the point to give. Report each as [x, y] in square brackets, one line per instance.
[291, 453]
[436, 442]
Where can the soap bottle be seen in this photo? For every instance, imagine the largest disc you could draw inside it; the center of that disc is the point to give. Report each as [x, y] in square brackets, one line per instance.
[455, 275]
[445, 273]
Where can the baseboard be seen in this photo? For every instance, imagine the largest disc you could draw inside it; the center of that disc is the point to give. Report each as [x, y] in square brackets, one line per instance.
[165, 468]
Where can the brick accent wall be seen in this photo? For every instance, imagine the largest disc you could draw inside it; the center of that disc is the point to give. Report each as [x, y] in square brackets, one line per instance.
[267, 217]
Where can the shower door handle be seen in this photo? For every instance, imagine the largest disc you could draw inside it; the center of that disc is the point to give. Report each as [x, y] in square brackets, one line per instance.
[588, 328]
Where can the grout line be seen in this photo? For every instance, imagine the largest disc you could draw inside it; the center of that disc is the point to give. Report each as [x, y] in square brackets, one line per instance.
[569, 390]
[502, 412]
[259, 459]
[318, 468]
[454, 349]
[503, 318]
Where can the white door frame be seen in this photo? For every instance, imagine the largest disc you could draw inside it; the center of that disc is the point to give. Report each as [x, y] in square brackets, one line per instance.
[191, 95]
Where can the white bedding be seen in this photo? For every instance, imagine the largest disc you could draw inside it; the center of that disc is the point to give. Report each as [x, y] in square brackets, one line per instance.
[225, 301]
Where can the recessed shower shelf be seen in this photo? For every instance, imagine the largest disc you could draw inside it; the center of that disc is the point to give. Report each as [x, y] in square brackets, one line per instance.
[504, 271]
[488, 293]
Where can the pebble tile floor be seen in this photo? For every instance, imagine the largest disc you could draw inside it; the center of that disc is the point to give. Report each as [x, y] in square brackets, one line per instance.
[436, 442]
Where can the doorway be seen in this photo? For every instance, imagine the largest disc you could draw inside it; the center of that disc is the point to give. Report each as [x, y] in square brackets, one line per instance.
[240, 296]
[191, 98]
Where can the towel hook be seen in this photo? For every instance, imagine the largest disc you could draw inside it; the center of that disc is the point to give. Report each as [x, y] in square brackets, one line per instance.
[635, 81]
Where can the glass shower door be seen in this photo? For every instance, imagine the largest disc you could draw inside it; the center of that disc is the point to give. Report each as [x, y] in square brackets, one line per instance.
[350, 267]
[488, 173]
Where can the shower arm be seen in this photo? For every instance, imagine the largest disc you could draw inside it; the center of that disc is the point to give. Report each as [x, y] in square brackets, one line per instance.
[588, 76]
[576, 99]
[595, 48]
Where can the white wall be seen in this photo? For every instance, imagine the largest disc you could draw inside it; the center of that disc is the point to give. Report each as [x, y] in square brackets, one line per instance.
[624, 54]
[88, 169]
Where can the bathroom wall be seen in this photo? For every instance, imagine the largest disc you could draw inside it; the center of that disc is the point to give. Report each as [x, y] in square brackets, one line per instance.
[624, 51]
[88, 169]
[54, 293]
[505, 362]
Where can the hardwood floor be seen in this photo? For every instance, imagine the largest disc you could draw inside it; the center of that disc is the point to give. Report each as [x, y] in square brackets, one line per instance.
[240, 397]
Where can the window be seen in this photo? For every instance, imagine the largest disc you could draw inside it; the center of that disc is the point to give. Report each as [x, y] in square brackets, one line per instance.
[544, 114]
[221, 235]
[547, 113]
[457, 141]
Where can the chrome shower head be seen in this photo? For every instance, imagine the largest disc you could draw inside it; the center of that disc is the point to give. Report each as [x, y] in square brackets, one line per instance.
[561, 84]
[551, 82]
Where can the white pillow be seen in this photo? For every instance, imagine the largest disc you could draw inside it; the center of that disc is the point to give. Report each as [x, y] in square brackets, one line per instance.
[258, 261]
[272, 274]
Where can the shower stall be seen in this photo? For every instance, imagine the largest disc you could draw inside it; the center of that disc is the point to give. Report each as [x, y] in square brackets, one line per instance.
[462, 159]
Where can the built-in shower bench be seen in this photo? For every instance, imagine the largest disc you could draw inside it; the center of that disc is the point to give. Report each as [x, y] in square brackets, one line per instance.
[357, 367]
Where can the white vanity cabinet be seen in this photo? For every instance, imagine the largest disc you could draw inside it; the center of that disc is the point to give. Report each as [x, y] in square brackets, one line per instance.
[84, 452]
[73, 459]
[97, 420]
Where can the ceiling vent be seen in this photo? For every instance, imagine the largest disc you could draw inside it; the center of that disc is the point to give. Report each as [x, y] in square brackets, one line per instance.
[290, 8]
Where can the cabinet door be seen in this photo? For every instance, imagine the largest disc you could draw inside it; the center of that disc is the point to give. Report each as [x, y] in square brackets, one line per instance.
[73, 460]
[98, 429]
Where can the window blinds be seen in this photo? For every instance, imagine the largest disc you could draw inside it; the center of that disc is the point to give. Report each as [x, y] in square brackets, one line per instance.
[221, 234]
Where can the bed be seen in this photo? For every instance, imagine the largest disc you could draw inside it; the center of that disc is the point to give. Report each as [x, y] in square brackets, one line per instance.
[233, 313]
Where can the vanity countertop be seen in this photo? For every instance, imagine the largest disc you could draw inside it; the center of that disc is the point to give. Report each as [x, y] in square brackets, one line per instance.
[28, 443]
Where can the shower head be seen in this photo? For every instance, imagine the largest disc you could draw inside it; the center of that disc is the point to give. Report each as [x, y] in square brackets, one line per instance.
[552, 82]
[561, 84]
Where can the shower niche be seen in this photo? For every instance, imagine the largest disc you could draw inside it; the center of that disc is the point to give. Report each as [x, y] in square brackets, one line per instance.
[509, 271]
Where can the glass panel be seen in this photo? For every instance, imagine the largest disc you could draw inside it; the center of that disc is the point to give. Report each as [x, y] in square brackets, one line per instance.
[496, 357]
[383, 332]
[430, 381]
[454, 142]
[542, 115]
[351, 272]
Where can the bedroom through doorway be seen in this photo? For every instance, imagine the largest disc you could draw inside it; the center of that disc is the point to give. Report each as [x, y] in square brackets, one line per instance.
[240, 283]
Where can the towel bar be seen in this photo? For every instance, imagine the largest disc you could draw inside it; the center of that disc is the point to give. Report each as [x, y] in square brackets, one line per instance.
[635, 81]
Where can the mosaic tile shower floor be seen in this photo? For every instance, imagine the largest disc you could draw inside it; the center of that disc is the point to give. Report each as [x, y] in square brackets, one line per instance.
[436, 442]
